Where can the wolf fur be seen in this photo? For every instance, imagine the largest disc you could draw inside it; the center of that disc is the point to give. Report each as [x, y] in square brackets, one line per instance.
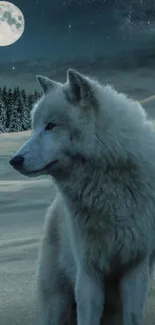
[98, 242]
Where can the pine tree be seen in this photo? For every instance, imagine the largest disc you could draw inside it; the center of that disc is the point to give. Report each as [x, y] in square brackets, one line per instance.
[36, 96]
[2, 114]
[1, 128]
[9, 105]
[24, 117]
[4, 99]
[24, 95]
[15, 108]
[17, 92]
[27, 115]
[4, 94]
[30, 102]
[19, 105]
[15, 123]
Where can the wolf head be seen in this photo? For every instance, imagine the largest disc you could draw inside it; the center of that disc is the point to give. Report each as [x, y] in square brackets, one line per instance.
[79, 119]
[63, 123]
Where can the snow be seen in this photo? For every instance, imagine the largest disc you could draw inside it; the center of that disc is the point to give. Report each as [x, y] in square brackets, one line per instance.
[23, 204]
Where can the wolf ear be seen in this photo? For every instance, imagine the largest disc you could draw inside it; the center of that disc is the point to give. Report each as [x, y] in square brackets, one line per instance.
[79, 85]
[45, 83]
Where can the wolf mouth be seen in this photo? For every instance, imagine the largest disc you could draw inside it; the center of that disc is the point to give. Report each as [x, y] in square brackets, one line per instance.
[26, 172]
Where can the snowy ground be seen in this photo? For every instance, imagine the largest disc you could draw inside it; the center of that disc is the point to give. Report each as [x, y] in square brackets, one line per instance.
[23, 204]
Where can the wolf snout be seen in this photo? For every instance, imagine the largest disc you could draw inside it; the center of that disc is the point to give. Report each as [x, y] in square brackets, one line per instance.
[17, 161]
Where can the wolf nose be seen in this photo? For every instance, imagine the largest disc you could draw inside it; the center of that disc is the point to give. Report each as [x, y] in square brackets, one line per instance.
[17, 161]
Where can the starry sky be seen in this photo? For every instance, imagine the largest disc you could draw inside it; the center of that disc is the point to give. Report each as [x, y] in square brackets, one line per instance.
[69, 29]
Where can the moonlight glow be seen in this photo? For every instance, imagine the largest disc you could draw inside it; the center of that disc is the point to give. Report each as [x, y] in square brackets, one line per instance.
[12, 23]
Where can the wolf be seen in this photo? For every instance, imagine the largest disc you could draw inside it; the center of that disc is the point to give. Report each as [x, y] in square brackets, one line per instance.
[98, 243]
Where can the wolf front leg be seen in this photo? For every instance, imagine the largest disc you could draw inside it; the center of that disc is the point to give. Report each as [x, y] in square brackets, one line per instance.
[89, 298]
[134, 287]
[54, 294]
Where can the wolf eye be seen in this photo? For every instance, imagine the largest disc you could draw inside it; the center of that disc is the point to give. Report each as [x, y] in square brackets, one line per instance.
[50, 126]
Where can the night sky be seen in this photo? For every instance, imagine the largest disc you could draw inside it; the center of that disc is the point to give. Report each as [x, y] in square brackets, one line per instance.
[64, 30]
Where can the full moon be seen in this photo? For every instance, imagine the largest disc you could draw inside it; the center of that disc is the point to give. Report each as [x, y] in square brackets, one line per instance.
[12, 23]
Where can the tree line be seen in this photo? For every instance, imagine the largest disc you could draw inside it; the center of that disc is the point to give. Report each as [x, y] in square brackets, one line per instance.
[15, 108]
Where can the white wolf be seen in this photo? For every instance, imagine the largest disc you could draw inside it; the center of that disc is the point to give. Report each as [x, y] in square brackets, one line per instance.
[99, 237]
